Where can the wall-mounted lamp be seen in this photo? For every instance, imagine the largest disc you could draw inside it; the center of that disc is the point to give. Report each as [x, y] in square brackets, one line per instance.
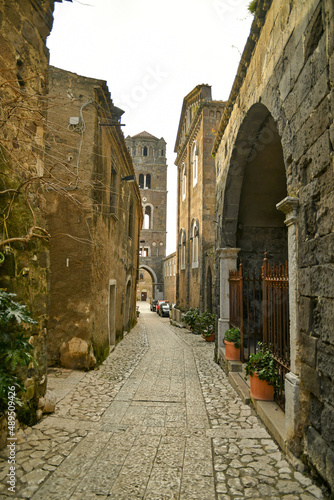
[128, 178]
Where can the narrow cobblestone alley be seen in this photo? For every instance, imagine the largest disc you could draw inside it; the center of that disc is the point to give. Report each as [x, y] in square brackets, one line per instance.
[158, 420]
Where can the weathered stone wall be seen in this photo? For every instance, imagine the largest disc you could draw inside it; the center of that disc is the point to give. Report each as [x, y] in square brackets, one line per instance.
[25, 25]
[286, 74]
[94, 245]
[199, 120]
[170, 278]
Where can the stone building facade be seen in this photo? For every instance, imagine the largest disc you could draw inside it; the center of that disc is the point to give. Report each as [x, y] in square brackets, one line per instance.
[149, 160]
[25, 25]
[170, 278]
[274, 161]
[94, 217]
[195, 275]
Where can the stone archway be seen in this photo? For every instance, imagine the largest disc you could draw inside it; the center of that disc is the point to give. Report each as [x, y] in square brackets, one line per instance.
[156, 293]
[255, 183]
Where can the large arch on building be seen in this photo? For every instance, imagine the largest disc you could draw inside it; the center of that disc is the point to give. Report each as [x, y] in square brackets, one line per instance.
[155, 282]
[255, 183]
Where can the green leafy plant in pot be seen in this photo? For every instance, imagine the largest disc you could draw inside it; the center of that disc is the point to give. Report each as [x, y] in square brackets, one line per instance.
[232, 342]
[262, 370]
[207, 322]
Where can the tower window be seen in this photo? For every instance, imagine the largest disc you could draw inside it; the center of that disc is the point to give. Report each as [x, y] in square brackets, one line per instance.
[145, 151]
[148, 217]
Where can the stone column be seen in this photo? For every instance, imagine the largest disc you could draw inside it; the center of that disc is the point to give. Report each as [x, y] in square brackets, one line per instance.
[228, 261]
[289, 206]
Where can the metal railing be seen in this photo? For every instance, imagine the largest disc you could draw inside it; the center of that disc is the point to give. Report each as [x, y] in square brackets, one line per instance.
[276, 333]
[259, 306]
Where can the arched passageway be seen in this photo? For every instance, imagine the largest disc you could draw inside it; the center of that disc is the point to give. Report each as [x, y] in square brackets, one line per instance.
[146, 289]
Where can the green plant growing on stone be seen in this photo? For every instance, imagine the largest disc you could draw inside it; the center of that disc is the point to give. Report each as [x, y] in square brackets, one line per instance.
[263, 363]
[15, 350]
[252, 6]
[233, 335]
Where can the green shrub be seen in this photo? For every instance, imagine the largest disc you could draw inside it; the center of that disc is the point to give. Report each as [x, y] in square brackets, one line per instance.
[207, 323]
[190, 318]
[15, 350]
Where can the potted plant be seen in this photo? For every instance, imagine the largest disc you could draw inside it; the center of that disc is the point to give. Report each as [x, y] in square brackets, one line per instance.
[262, 370]
[207, 322]
[191, 318]
[232, 344]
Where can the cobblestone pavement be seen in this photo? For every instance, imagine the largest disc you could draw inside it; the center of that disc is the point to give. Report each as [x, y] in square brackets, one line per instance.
[158, 420]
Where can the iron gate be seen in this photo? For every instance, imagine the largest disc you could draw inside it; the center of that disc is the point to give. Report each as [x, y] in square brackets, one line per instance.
[259, 306]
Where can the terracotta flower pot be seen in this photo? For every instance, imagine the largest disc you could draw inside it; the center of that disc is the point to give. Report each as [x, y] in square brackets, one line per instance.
[232, 353]
[209, 338]
[260, 389]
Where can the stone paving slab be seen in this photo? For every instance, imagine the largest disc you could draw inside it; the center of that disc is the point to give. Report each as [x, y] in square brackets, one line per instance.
[158, 420]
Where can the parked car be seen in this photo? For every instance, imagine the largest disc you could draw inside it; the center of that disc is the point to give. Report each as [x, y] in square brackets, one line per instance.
[153, 305]
[164, 309]
[160, 302]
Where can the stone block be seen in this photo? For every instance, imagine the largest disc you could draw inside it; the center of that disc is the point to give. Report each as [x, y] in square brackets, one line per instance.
[310, 379]
[327, 424]
[304, 276]
[305, 306]
[29, 33]
[327, 390]
[308, 349]
[323, 319]
[316, 408]
[77, 354]
[319, 60]
[50, 400]
[325, 359]
[316, 449]
[330, 467]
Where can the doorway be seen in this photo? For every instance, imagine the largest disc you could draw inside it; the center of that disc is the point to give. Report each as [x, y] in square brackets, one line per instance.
[112, 312]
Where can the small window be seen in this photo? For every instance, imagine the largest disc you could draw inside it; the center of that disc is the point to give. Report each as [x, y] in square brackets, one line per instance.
[148, 217]
[162, 152]
[184, 182]
[194, 239]
[194, 160]
[182, 247]
[148, 181]
[141, 181]
[145, 151]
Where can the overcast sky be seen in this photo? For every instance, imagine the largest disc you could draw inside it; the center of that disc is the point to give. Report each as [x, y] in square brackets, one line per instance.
[152, 53]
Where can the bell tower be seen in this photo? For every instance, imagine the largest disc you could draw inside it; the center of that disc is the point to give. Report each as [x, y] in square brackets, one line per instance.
[149, 161]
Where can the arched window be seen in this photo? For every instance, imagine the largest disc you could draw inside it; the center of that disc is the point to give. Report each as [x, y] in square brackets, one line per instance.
[182, 247]
[194, 161]
[148, 181]
[148, 217]
[162, 152]
[194, 237]
[141, 181]
[184, 181]
[145, 151]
